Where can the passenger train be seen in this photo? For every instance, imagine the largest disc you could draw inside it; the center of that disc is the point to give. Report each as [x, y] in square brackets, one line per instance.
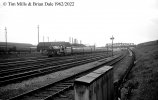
[62, 50]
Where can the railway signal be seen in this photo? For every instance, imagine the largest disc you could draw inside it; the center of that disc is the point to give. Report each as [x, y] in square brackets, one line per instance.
[112, 38]
[43, 44]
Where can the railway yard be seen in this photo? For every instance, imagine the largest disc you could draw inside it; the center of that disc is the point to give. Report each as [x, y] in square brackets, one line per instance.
[35, 78]
[106, 50]
[51, 74]
[39, 77]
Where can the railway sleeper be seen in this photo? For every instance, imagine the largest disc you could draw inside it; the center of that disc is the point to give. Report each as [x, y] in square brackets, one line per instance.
[67, 83]
[50, 89]
[57, 93]
[44, 94]
[57, 88]
[40, 95]
[62, 86]
[32, 98]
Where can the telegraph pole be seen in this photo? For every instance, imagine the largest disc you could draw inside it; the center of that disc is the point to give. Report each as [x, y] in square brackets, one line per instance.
[70, 39]
[38, 33]
[94, 47]
[48, 39]
[6, 39]
[43, 40]
[44, 44]
[107, 48]
[112, 38]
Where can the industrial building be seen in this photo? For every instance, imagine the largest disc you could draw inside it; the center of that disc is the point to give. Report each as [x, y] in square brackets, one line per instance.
[16, 47]
[45, 45]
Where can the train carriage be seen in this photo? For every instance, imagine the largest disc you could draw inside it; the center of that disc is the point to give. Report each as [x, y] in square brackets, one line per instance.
[62, 50]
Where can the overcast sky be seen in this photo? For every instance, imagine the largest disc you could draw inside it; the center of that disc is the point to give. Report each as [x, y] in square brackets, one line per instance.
[92, 21]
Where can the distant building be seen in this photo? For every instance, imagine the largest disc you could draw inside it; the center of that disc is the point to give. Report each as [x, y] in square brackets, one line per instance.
[18, 45]
[46, 45]
[77, 45]
[11, 46]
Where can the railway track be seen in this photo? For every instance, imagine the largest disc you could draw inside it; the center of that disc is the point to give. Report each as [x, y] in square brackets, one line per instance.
[33, 66]
[51, 90]
[19, 74]
[21, 59]
[19, 63]
[12, 66]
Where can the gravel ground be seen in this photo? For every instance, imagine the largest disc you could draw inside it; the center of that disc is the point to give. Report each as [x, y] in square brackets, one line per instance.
[23, 56]
[121, 67]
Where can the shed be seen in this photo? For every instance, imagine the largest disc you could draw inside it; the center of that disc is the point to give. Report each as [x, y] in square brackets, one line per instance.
[45, 45]
[15, 46]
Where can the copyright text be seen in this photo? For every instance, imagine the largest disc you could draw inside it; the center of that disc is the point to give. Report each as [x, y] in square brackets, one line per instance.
[38, 3]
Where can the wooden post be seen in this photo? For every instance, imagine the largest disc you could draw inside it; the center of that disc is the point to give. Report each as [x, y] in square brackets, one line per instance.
[6, 40]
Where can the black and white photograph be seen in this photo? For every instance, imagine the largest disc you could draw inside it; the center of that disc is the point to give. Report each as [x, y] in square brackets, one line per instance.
[78, 49]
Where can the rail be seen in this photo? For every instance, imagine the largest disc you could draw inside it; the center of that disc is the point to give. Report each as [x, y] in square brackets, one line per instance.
[53, 89]
[119, 83]
[43, 69]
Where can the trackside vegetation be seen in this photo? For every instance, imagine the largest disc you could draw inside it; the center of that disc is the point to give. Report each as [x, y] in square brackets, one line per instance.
[143, 78]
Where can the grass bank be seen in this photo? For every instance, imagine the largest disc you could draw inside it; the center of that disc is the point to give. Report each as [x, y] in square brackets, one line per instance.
[144, 76]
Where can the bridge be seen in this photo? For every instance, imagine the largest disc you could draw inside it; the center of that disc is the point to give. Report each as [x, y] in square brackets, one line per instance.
[120, 45]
